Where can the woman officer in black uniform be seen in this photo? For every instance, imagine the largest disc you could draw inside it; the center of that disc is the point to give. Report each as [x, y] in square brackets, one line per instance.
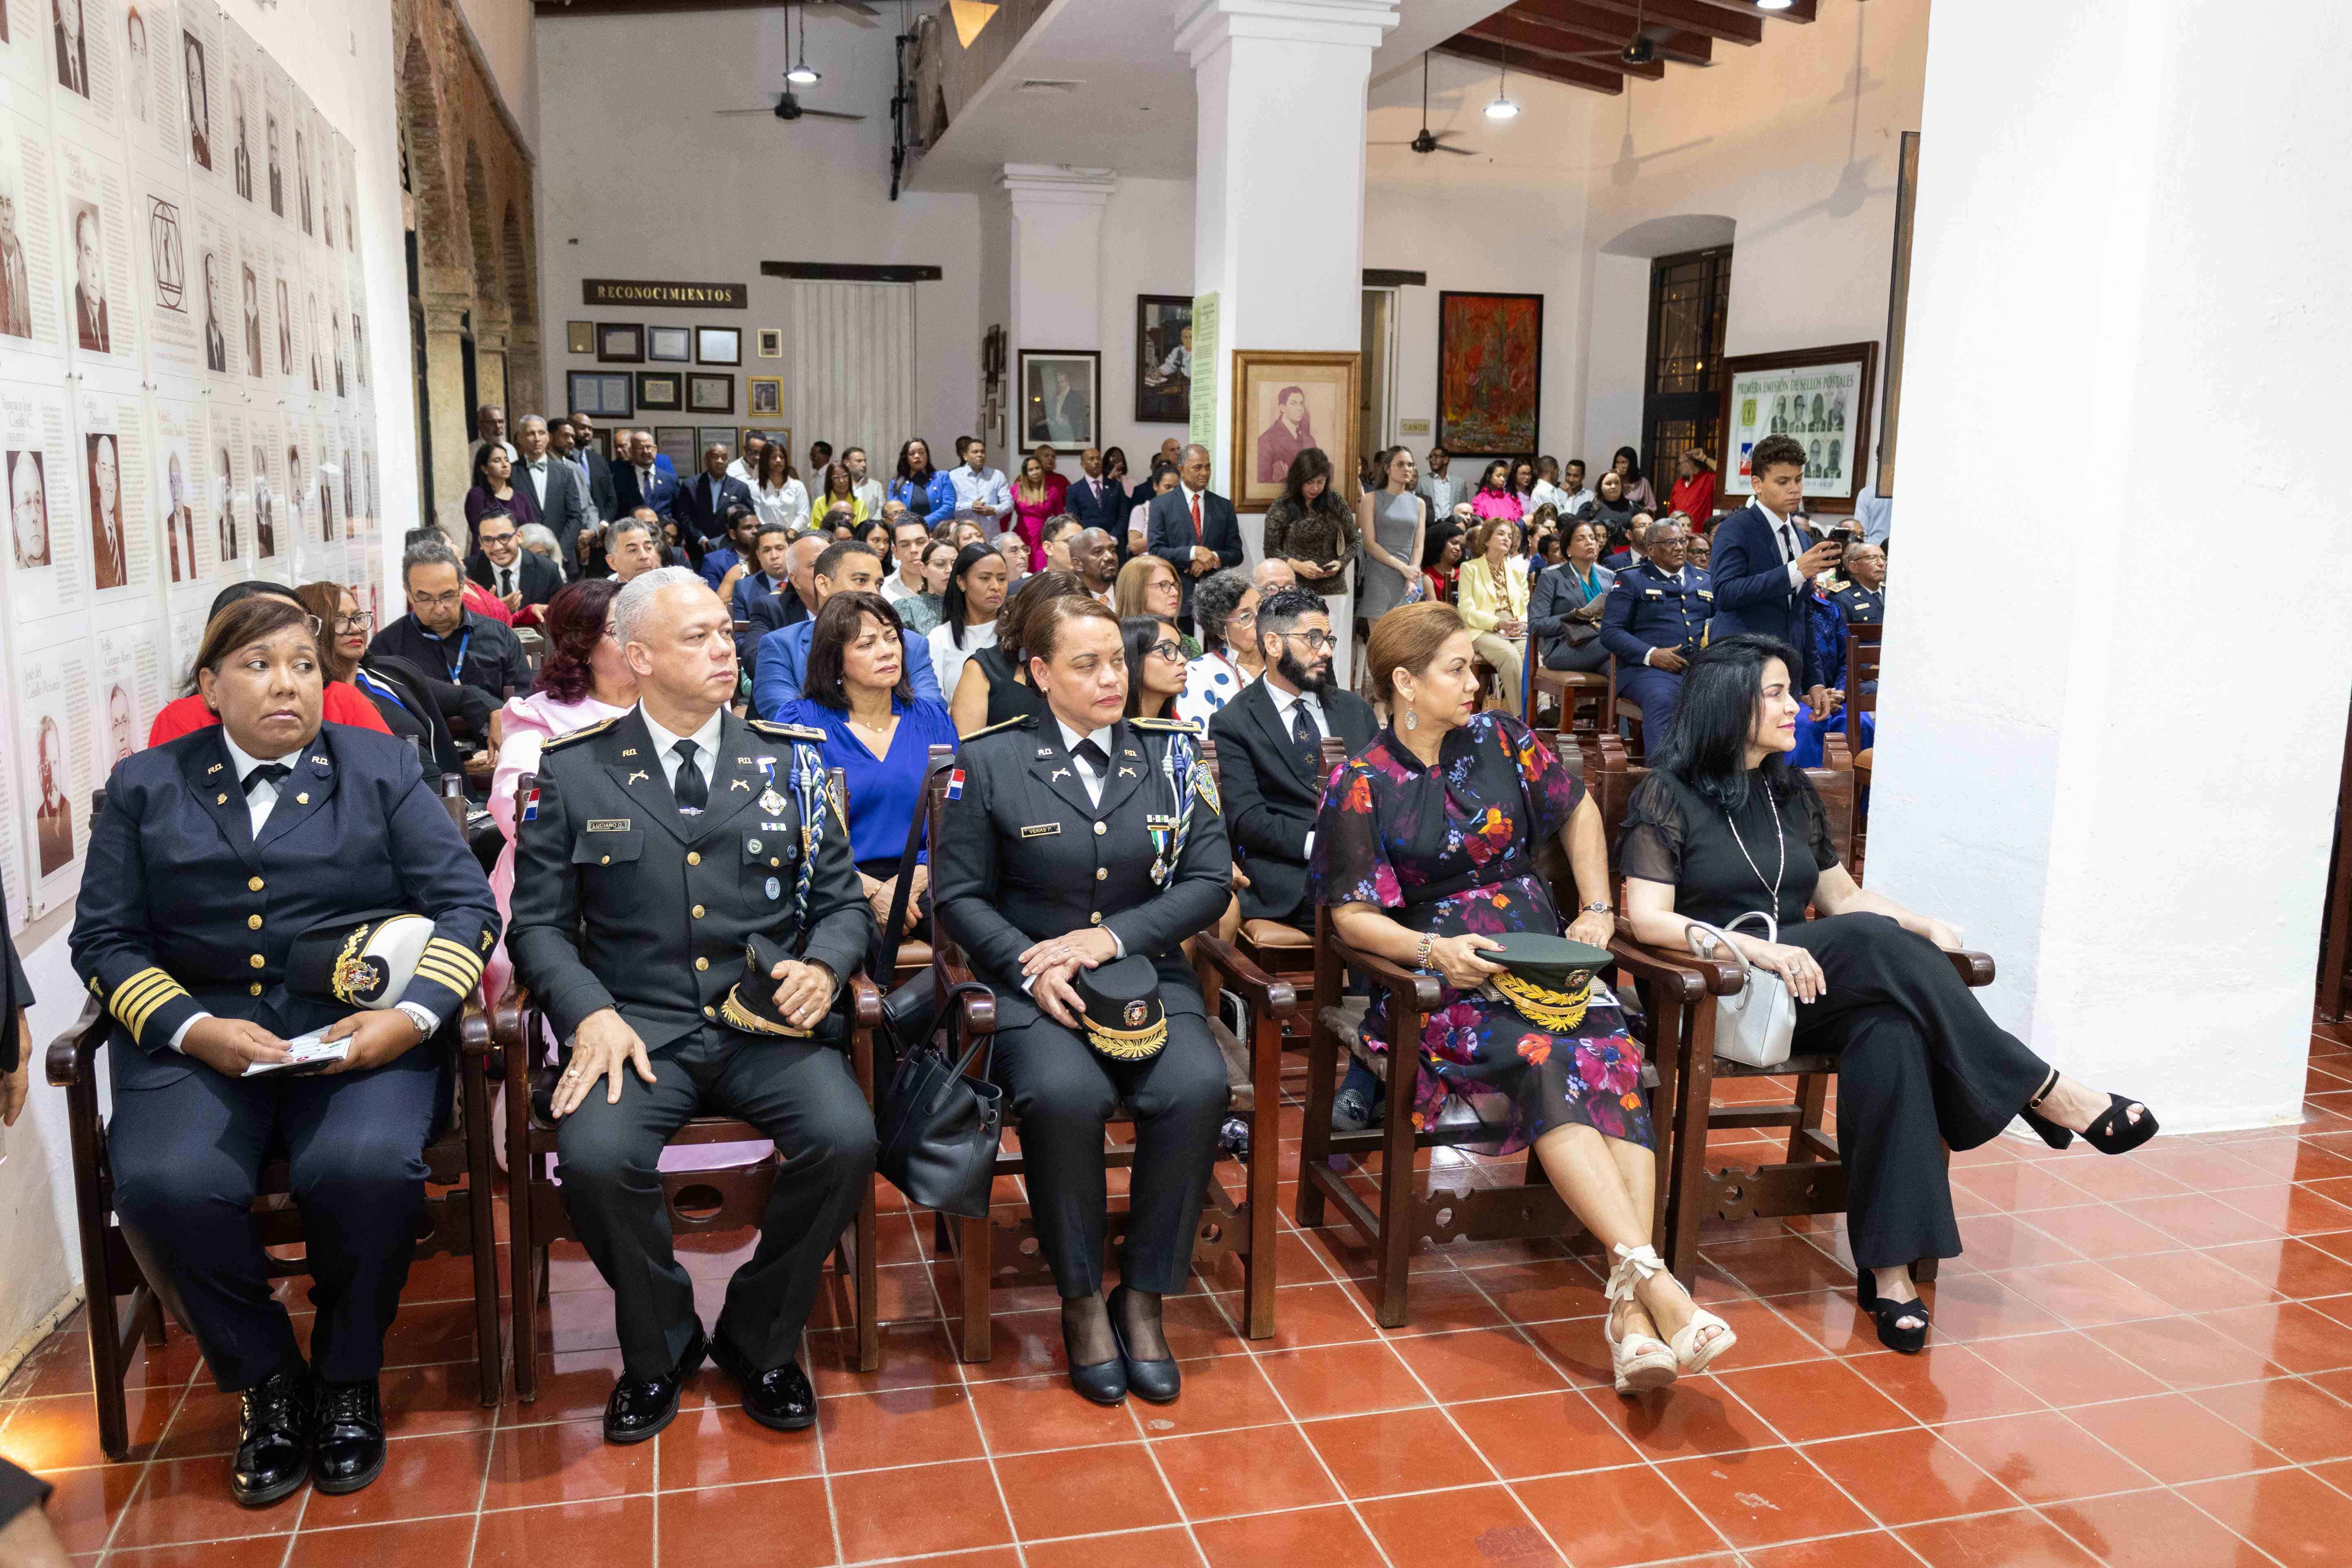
[215, 853]
[1073, 840]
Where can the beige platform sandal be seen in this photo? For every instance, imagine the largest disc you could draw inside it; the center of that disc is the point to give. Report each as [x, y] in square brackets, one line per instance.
[1641, 1360]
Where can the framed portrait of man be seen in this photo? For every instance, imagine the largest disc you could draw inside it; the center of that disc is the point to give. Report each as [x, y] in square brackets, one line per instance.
[767, 394]
[1163, 359]
[1283, 403]
[1061, 397]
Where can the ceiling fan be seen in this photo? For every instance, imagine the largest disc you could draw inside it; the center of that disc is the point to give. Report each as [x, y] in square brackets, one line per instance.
[788, 107]
[1426, 142]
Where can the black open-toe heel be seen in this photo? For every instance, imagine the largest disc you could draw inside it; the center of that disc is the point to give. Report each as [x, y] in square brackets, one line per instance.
[1891, 1333]
[2115, 1132]
[2057, 1137]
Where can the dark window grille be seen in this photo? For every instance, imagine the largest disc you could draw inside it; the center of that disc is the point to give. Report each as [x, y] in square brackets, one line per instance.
[1682, 401]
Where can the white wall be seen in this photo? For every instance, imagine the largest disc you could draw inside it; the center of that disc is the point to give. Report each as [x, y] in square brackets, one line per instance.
[1797, 140]
[502, 29]
[651, 185]
[1147, 249]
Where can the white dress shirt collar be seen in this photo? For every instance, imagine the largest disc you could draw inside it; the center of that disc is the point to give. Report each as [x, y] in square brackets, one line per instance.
[706, 743]
[1087, 775]
[262, 797]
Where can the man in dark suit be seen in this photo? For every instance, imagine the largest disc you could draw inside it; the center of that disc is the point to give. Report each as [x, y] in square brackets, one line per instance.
[1652, 622]
[73, 48]
[1269, 753]
[1764, 566]
[568, 442]
[658, 847]
[557, 489]
[791, 602]
[1094, 500]
[517, 576]
[1190, 529]
[90, 286]
[704, 500]
[642, 482]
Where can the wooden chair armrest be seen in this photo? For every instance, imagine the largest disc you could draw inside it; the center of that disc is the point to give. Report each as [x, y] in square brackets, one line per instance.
[1975, 968]
[1420, 992]
[1275, 997]
[864, 1002]
[1713, 976]
[506, 1018]
[71, 1052]
[474, 1029]
[978, 1012]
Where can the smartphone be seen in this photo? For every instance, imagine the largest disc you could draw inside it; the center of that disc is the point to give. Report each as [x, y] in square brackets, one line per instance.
[1847, 534]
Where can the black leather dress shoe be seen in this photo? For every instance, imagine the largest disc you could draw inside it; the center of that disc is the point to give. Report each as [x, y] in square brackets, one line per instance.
[641, 1406]
[347, 1436]
[779, 1396]
[273, 1439]
[1104, 1381]
[1157, 1381]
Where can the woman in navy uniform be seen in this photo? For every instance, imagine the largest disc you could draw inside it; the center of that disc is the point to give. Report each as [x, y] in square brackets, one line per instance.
[215, 852]
[1070, 840]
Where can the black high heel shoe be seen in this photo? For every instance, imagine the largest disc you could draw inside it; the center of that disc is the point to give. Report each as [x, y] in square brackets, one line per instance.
[1157, 1381]
[1891, 1333]
[1104, 1381]
[2115, 1132]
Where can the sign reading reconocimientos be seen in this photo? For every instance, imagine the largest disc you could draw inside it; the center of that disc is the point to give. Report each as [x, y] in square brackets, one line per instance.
[634, 292]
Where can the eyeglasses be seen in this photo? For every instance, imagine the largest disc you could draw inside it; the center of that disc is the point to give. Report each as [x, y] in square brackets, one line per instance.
[1171, 651]
[355, 622]
[1242, 619]
[1317, 642]
[437, 601]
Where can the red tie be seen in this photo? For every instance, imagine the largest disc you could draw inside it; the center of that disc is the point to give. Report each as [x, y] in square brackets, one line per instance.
[1196, 519]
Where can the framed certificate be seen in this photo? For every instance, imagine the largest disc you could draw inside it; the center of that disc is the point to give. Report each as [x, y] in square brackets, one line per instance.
[659, 391]
[710, 393]
[719, 345]
[621, 342]
[675, 344]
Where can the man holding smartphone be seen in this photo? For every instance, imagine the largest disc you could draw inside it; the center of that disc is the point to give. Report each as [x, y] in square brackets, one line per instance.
[1764, 562]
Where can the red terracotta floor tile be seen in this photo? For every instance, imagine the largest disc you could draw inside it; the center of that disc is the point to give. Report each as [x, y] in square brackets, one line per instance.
[1996, 1241]
[2289, 1414]
[2184, 1353]
[419, 1400]
[449, 1539]
[616, 1530]
[1632, 1515]
[1481, 1524]
[2175, 1439]
[2065, 1369]
[1977, 1307]
[2096, 1231]
[913, 1355]
[1538, 1292]
[568, 1462]
[720, 1446]
[250, 1551]
[1543, 1434]
[2199, 1219]
[60, 1432]
[2044, 1458]
[1766, 1337]
[1779, 1267]
[2151, 1530]
[1806, 1400]
[2015, 1539]
[900, 1427]
[2190, 1281]
[1764, 1496]
[1441, 1303]
[2294, 1208]
[1111, 1486]
[2293, 1267]
[187, 1499]
[1342, 1380]
[422, 1477]
[83, 1508]
[1479, 1364]
[1218, 1474]
[1394, 1451]
[1321, 1314]
[1220, 1394]
[1696, 1416]
[2291, 1514]
[785, 1522]
[1170, 1544]
[1946, 1382]
[2018, 1187]
[2298, 1335]
[1026, 1415]
[882, 1513]
[1910, 1478]
[1875, 1548]
[2083, 1294]
[1309, 1537]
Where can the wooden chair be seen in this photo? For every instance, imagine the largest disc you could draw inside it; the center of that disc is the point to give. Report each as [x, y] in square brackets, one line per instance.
[1002, 1250]
[1581, 694]
[1283, 953]
[1862, 646]
[458, 1220]
[1809, 1179]
[725, 1197]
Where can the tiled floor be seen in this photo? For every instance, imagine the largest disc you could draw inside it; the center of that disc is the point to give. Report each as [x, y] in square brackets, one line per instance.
[2145, 1361]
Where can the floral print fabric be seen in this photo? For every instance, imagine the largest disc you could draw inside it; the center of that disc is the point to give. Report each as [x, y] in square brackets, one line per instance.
[1449, 850]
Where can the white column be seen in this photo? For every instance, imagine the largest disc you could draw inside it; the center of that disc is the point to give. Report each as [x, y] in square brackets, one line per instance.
[1056, 273]
[2109, 750]
[1279, 189]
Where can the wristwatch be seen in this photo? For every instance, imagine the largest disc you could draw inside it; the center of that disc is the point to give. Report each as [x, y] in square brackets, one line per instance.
[1601, 907]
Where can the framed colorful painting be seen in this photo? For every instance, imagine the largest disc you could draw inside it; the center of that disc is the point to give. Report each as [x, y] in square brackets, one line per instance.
[1489, 372]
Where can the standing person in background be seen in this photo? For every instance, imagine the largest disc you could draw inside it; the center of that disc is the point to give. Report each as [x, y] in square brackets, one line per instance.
[1139, 517]
[1033, 501]
[1766, 559]
[1311, 528]
[746, 466]
[863, 485]
[493, 486]
[1392, 522]
[838, 495]
[1494, 497]
[557, 490]
[582, 450]
[922, 489]
[1693, 492]
[1627, 466]
[979, 490]
[641, 481]
[1546, 490]
[704, 501]
[777, 493]
[1492, 599]
[1094, 500]
[489, 429]
[1050, 461]
[1440, 490]
[1194, 531]
[820, 457]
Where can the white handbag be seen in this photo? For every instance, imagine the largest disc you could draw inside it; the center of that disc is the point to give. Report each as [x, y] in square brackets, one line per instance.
[1754, 1026]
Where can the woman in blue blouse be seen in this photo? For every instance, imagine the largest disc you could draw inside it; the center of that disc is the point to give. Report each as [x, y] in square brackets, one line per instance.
[919, 487]
[878, 732]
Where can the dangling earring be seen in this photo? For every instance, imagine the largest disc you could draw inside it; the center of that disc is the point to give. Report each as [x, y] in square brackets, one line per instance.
[1412, 720]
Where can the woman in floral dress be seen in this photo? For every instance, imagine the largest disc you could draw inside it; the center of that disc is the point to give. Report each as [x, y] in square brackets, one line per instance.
[1425, 850]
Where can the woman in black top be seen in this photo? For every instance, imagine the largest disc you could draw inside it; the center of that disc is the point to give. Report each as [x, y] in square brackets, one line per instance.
[1723, 825]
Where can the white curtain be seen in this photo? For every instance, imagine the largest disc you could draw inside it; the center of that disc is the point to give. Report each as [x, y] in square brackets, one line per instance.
[852, 370]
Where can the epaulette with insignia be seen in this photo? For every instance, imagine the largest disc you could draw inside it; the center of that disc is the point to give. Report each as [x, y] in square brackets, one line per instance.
[596, 728]
[776, 731]
[1025, 720]
[1173, 726]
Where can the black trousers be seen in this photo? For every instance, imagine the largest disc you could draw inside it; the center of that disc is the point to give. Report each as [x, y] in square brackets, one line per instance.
[1919, 1066]
[187, 1158]
[1062, 1094]
[803, 1097]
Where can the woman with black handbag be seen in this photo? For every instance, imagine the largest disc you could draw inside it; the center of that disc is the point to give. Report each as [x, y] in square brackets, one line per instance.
[1079, 850]
[1723, 825]
[1565, 615]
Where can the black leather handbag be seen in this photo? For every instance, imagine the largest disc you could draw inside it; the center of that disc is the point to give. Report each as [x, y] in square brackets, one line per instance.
[940, 1124]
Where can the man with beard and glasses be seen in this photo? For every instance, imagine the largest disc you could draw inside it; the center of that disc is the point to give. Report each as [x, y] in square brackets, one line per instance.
[1269, 753]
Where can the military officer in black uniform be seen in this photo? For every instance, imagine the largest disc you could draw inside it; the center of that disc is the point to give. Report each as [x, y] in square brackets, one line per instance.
[1072, 839]
[1863, 600]
[655, 845]
[1653, 621]
[215, 852]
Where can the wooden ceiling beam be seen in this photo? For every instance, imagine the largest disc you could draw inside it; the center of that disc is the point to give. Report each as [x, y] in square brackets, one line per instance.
[1572, 16]
[1575, 74]
[1549, 43]
[1741, 26]
[1797, 11]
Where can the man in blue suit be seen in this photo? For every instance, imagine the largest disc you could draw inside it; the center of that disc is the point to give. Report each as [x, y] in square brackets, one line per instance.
[641, 481]
[1652, 622]
[1095, 500]
[1764, 568]
[846, 566]
[704, 500]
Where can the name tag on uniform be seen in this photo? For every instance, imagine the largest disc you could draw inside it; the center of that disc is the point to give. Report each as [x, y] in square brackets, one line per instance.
[1653, 592]
[608, 824]
[1707, 593]
[1042, 830]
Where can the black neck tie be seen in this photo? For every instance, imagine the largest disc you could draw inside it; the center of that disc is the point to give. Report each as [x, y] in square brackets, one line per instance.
[693, 791]
[1094, 756]
[1310, 738]
[268, 772]
[506, 580]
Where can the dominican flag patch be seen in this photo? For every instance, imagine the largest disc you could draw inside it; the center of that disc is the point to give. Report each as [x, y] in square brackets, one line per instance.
[531, 806]
[955, 784]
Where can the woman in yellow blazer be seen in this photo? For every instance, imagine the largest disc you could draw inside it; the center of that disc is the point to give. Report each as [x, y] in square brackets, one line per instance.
[1493, 598]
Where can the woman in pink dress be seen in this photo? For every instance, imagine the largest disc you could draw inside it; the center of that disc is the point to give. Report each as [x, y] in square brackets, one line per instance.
[1033, 501]
[582, 681]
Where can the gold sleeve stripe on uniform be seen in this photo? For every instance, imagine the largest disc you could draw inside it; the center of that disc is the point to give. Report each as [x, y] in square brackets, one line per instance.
[139, 987]
[448, 975]
[455, 953]
[172, 993]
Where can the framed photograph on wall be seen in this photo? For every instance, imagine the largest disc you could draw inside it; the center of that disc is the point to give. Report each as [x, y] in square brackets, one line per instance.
[707, 435]
[579, 337]
[767, 396]
[1163, 359]
[608, 394]
[1061, 397]
[1284, 403]
[621, 344]
[660, 391]
[1818, 398]
[772, 342]
[674, 345]
[1489, 374]
[675, 442]
[719, 345]
[710, 393]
